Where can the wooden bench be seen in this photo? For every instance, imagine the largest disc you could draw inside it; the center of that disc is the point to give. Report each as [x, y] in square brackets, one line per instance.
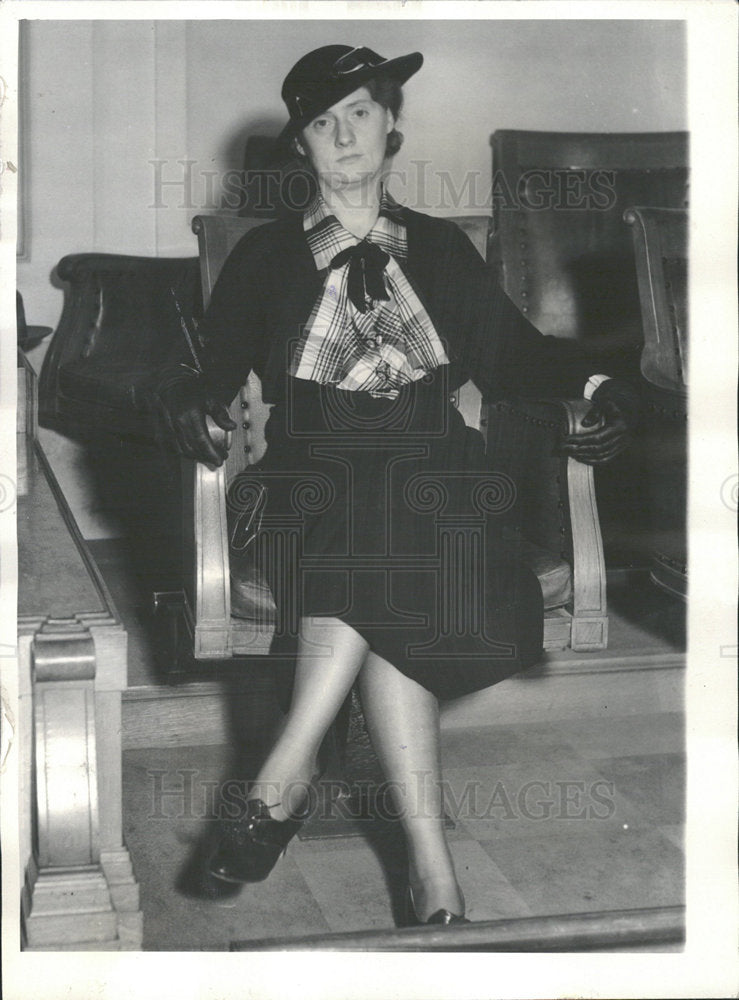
[79, 888]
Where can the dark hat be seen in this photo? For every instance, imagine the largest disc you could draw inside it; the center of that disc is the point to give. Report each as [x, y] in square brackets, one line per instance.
[326, 75]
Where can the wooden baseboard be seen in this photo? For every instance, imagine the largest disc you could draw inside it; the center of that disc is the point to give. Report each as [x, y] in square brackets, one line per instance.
[202, 713]
[588, 688]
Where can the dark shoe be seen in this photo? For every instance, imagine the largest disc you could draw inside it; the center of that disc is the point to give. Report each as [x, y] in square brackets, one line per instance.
[441, 917]
[195, 881]
[250, 846]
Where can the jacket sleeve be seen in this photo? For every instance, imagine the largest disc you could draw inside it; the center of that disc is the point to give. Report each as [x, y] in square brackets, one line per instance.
[230, 338]
[504, 354]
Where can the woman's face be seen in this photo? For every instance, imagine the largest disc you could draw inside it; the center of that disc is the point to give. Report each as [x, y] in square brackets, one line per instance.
[346, 144]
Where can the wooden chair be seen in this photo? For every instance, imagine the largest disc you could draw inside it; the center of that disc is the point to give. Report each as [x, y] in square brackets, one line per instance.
[562, 531]
[565, 257]
[559, 242]
[660, 246]
[122, 318]
[661, 253]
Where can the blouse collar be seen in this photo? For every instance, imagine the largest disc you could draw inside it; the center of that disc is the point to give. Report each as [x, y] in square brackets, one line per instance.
[327, 237]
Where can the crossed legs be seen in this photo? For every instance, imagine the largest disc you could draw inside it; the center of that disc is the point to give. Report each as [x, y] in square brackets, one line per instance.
[403, 722]
[330, 655]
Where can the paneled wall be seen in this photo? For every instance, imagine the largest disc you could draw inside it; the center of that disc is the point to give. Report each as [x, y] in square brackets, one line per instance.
[133, 126]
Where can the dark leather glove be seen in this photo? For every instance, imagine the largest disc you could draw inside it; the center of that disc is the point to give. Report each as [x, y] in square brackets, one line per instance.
[614, 416]
[184, 403]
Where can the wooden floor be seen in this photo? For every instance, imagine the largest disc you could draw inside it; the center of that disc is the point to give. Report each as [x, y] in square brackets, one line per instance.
[565, 787]
[558, 818]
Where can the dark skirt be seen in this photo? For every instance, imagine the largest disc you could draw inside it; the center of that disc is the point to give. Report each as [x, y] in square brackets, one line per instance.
[387, 515]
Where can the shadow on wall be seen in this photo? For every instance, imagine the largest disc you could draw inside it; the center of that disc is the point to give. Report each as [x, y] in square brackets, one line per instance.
[262, 178]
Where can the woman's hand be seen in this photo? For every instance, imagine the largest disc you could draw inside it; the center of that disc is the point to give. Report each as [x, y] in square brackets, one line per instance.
[184, 405]
[610, 424]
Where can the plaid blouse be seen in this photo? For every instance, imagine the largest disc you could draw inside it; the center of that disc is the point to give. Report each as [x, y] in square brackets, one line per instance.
[378, 350]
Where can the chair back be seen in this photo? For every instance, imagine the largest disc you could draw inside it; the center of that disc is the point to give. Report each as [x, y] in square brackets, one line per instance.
[477, 228]
[217, 236]
[661, 251]
[559, 241]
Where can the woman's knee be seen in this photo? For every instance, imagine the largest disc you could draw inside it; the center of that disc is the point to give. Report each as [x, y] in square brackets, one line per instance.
[330, 639]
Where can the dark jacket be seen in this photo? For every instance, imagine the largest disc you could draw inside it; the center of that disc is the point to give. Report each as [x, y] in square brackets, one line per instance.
[269, 284]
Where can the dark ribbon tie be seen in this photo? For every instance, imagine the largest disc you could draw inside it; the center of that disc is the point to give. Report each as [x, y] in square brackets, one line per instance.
[365, 279]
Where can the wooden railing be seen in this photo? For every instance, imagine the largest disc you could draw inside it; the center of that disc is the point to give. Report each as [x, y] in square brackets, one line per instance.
[603, 931]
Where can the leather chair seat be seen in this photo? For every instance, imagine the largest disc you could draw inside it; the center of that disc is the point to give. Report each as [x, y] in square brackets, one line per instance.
[553, 573]
[251, 598]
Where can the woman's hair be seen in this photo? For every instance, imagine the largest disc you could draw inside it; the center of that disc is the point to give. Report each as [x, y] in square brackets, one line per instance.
[388, 93]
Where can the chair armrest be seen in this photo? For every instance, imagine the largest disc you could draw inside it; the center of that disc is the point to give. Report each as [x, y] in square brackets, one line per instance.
[206, 560]
[588, 562]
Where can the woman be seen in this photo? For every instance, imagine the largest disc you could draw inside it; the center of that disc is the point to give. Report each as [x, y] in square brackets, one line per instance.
[360, 318]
